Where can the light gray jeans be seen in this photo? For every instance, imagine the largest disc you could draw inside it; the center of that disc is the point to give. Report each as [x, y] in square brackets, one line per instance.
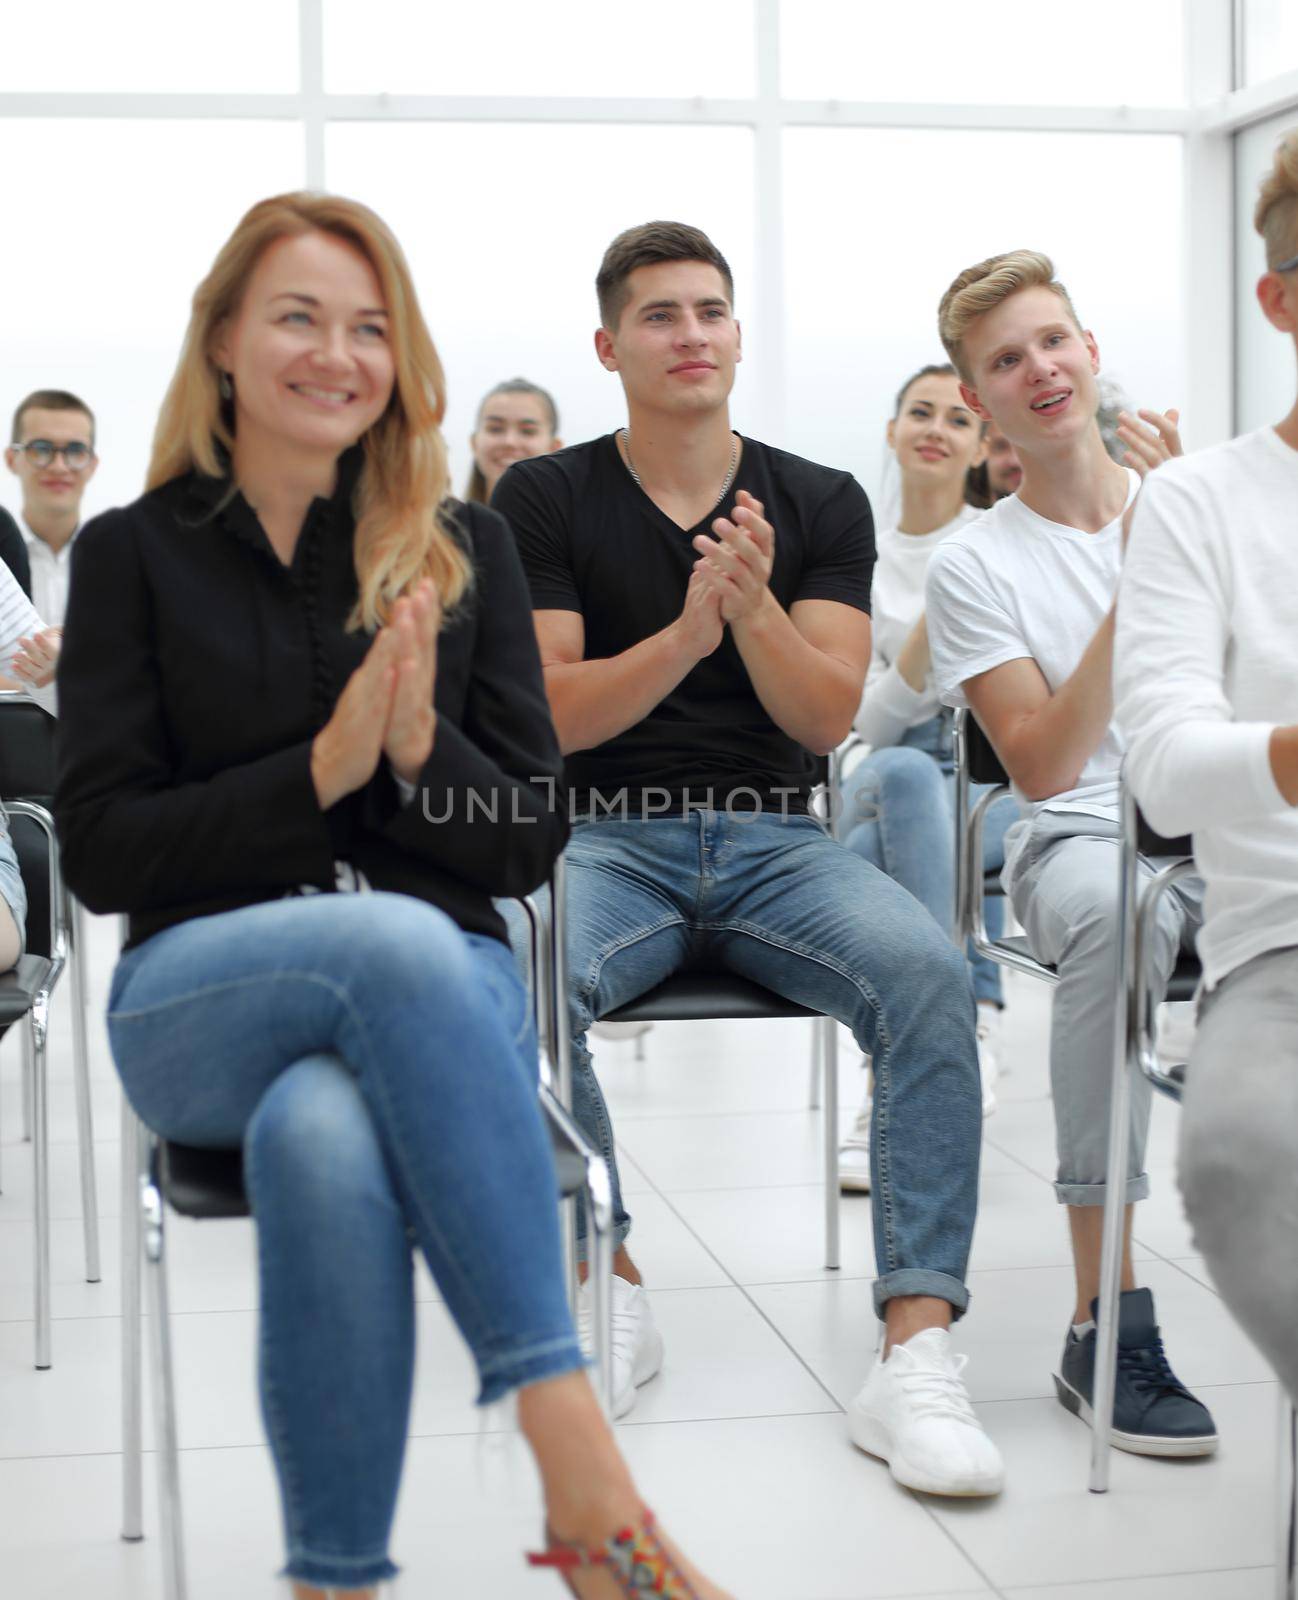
[1064, 890]
[1239, 1150]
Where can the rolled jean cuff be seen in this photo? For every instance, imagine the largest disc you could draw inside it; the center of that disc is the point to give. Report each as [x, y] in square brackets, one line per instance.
[919, 1280]
[620, 1232]
[1092, 1194]
[549, 1359]
[338, 1572]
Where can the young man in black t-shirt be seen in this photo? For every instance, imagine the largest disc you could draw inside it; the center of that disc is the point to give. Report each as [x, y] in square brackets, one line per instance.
[702, 606]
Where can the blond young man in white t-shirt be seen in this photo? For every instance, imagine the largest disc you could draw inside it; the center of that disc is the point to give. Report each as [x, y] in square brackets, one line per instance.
[1020, 621]
[1206, 679]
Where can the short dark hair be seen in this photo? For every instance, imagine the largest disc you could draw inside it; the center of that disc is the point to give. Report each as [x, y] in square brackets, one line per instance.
[50, 400]
[645, 246]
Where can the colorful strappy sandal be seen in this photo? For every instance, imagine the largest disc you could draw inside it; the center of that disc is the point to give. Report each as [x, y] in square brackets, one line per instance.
[634, 1558]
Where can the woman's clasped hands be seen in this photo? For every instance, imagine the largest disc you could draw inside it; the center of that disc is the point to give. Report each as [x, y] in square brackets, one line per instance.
[386, 709]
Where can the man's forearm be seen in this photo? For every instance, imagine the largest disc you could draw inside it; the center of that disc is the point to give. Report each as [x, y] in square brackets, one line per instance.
[811, 696]
[1050, 747]
[593, 701]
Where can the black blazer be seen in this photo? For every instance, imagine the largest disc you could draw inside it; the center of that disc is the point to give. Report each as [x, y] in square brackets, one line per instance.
[197, 669]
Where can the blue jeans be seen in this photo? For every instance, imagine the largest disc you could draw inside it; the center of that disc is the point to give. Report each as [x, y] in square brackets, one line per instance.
[898, 813]
[780, 902]
[378, 1067]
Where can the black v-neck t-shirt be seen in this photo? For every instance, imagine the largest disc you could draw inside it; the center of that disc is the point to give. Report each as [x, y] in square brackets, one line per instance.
[592, 541]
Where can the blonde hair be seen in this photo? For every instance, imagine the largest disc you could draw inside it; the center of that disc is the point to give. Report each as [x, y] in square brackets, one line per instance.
[402, 529]
[1276, 215]
[982, 288]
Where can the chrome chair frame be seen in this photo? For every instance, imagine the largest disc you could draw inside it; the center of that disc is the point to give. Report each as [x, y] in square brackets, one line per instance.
[144, 1246]
[35, 1040]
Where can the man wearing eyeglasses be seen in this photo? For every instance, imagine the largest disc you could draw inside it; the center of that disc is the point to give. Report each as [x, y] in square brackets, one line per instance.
[53, 457]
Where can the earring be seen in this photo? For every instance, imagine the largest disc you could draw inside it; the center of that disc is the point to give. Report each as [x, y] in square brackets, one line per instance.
[226, 387]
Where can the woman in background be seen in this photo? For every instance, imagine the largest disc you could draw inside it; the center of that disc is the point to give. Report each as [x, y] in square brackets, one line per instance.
[516, 420]
[897, 809]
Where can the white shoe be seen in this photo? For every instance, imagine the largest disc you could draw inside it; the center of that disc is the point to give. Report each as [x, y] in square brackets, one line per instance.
[637, 1344]
[914, 1414]
[988, 1032]
[620, 1030]
[854, 1156]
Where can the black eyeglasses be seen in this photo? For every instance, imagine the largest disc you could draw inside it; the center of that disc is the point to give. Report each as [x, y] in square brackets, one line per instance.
[40, 452]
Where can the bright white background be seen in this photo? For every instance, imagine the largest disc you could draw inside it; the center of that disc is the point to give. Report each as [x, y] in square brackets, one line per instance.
[848, 157]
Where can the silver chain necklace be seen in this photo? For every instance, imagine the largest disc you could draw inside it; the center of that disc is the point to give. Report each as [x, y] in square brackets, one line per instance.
[635, 476]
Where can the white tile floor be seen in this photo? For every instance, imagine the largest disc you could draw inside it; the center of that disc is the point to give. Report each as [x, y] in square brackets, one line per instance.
[740, 1441]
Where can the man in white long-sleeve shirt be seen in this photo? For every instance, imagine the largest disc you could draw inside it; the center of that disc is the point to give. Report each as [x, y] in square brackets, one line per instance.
[1206, 679]
[1020, 625]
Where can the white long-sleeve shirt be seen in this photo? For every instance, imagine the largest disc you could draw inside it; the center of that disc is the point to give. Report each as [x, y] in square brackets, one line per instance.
[18, 619]
[1205, 666]
[889, 706]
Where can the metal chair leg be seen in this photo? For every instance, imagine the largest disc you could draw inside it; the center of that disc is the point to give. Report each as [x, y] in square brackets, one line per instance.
[1286, 1554]
[27, 1086]
[174, 1586]
[81, 1079]
[813, 1085]
[1115, 1192]
[827, 1031]
[568, 1239]
[132, 1331]
[599, 1236]
[38, 1019]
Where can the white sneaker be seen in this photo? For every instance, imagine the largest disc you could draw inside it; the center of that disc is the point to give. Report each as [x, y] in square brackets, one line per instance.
[854, 1156]
[620, 1030]
[914, 1414]
[988, 1032]
[637, 1344]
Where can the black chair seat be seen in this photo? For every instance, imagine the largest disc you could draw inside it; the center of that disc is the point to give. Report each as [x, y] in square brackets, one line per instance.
[21, 986]
[700, 996]
[202, 1183]
[208, 1184]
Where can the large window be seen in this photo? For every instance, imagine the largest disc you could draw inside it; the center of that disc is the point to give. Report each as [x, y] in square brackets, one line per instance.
[97, 287]
[848, 156]
[1270, 30]
[516, 47]
[1017, 52]
[880, 221]
[505, 228]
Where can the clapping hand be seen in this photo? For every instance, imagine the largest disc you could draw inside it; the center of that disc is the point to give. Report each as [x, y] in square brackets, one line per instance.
[38, 657]
[737, 563]
[411, 721]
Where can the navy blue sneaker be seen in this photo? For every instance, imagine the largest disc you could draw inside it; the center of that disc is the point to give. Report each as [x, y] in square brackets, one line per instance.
[1154, 1414]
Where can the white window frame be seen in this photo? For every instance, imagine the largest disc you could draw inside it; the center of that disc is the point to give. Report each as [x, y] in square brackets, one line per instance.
[1216, 109]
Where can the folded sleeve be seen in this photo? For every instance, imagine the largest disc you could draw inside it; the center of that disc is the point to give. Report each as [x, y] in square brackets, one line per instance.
[969, 629]
[490, 806]
[132, 838]
[1190, 763]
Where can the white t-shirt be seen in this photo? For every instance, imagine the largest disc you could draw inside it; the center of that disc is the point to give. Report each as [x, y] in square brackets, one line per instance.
[1205, 666]
[889, 705]
[1011, 585]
